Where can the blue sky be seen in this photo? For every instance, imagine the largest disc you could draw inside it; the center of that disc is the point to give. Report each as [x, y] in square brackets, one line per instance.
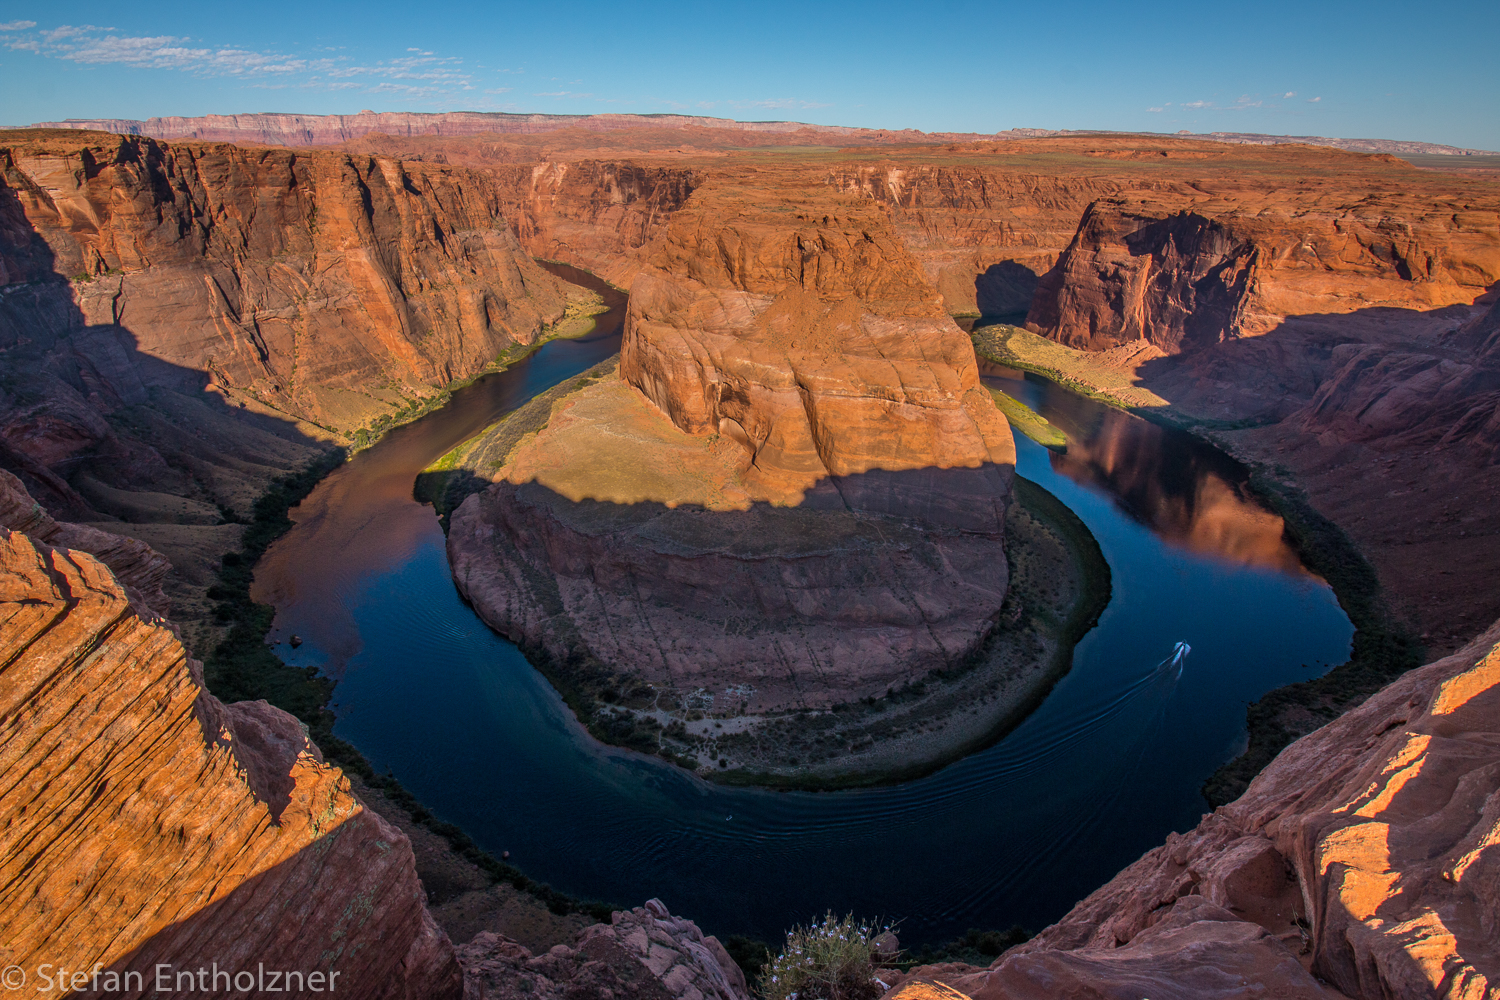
[1369, 69]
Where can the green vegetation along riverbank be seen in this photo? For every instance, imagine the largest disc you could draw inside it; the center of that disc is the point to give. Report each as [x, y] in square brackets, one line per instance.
[1029, 422]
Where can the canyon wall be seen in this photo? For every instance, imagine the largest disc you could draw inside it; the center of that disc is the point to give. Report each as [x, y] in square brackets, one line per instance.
[143, 823]
[809, 336]
[1157, 270]
[592, 213]
[319, 284]
[184, 323]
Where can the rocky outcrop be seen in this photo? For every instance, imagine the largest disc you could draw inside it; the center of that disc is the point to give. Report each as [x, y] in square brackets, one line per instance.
[1447, 395]
[595, 213]
[644, 953]
[794, 494]
[816, 345]
[1195, 951]
[1365, 848]
[140, 570]
[1182, 279]
[147, 824]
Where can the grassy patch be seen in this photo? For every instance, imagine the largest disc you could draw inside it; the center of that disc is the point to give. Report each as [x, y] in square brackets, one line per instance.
[467, 469]
[1029, 422]
[243, 668]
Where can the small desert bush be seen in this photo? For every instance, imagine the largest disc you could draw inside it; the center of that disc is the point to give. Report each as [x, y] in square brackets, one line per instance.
[833, 959]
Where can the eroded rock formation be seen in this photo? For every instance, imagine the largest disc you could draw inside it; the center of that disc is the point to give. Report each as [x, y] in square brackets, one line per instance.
[183, 324]
[140, 570]
[815, 343]
[794, 494]
[146, 823]
[320, 284]
[1184, 278]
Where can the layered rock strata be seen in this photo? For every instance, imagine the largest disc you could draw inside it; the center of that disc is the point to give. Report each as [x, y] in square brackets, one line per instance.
[1179, 279]
[793, 495]
[323, 285]
[140, 570]
[183, 324]
[147, 824]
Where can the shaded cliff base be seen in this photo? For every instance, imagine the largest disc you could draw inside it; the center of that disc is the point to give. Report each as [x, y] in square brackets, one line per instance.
[1060, 583]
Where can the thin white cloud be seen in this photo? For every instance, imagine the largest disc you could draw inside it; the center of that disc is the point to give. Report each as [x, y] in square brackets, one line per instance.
[1157, 110]
[1198, 104]
[1289, 94]
[1313, 100]
[421, 74]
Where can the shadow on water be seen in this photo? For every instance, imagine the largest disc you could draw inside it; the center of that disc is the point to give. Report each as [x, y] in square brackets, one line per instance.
[1110, 762]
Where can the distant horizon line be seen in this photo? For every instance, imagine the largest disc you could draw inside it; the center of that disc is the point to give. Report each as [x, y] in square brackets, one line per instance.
[1248, 138]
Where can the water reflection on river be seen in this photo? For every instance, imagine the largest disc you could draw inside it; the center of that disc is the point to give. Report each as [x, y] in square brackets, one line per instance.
[1190, 494]
[1110, 762]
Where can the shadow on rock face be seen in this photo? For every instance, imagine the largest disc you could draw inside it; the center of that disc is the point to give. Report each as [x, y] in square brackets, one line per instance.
[82, 407]
[1005, 289]
[811, 605]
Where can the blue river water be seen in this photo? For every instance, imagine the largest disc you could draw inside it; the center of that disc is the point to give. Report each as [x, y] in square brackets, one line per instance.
[1110, 762]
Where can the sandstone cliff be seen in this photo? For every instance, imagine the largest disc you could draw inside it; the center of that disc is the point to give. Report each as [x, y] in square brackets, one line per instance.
[322, 285]
[146, 823]
[184, 323]
[1181, 278]
[140, 570]
[143, 823]
[793, 495]
[812, 340]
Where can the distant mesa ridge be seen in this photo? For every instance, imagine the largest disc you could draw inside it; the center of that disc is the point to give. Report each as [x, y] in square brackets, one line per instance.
[279, 129]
